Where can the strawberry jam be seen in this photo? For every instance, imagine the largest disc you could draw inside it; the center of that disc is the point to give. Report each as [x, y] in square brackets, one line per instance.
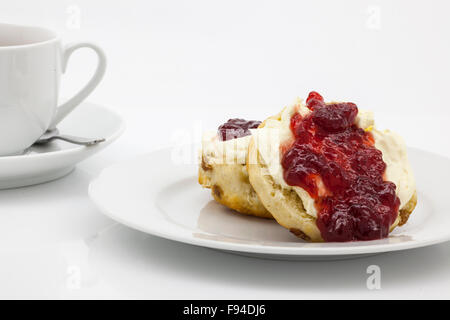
[338, 165]
[236, 128]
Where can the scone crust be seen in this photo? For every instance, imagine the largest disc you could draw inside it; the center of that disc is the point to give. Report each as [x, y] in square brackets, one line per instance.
[286, 206]
[230, 186]
[406, 211]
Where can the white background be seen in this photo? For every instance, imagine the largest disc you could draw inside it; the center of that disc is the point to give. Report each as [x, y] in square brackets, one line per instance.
[175, 65]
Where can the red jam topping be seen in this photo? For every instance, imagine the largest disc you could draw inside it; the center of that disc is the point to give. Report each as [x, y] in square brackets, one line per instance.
[236, 128]
[338, 165]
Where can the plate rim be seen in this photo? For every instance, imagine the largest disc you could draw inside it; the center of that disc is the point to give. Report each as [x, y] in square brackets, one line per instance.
[304, 251]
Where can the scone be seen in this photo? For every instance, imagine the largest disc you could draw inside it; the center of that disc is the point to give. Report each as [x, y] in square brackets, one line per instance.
[325, 173]
[223, 167]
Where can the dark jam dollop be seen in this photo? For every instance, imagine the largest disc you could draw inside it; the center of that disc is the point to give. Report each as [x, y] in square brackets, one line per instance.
[236, 128]
[337, 164]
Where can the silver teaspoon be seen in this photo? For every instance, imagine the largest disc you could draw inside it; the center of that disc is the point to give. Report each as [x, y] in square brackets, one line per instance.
[54, 134]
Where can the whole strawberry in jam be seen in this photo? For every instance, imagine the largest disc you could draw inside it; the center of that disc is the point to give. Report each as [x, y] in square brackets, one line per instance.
[313, 99]
[236, 128]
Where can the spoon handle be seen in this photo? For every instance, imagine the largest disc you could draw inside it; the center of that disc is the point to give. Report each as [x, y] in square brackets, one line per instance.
[78, 140]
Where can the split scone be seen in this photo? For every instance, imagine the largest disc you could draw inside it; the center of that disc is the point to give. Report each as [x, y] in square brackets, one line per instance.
[325, 173]
[223, 167]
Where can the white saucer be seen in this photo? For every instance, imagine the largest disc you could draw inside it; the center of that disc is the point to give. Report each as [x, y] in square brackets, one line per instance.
[153, 195]
[45, 163]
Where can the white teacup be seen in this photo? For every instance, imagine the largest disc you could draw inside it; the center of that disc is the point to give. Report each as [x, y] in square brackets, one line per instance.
[32, 60]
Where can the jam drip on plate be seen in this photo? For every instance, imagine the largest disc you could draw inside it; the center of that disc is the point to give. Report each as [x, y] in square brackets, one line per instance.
[338, 165]
[236, 128]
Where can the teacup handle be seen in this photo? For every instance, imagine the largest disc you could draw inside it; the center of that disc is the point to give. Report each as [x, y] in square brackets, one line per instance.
[63, 110]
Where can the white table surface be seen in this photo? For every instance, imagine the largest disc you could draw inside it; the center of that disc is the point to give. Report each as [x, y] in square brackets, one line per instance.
[174, 66]
[54, 243]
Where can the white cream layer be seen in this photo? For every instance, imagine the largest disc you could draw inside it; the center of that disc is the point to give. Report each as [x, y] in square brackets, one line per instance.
[225, 152]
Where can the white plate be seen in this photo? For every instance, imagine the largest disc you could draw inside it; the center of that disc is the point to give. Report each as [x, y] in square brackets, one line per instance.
[58, 158]
[153, 195]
